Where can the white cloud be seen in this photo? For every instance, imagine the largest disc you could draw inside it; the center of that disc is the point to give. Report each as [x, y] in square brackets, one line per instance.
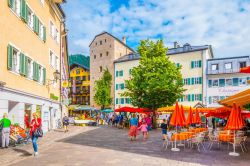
[223, 24]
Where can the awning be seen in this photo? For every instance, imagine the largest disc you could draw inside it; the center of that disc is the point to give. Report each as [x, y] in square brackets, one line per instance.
[172, 109]
[81, 108]
[107, 110]
[240, 99]
[133, 110]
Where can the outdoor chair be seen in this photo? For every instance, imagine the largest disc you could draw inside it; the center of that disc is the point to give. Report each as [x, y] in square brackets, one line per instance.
[213, 139]
[198, 141]
[168, 142]
[244, 143]
[238, 141]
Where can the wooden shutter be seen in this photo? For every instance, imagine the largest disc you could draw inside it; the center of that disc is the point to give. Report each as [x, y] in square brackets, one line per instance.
[189, 97]
[199, 63]
[116, 87]
[10, 57]
[11, 3]
[117, 73]
[116, 101]
[192, 81]
[193, 97]
[34, 23]
[189, 82]
[200, 97]
[24, 10]
[200, 80]
[192, 64]
[35, 71]
[21, 68]
[44, 33]
[44, 76]
[26, 66]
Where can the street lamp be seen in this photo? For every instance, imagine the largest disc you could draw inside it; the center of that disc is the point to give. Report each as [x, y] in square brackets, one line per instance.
[57, 76]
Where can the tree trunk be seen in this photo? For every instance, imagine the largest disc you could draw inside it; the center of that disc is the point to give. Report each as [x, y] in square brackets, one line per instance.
[154, 125]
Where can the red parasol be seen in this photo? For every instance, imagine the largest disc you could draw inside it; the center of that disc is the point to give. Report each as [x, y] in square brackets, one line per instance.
[177, 117]
[197, 119]
[133, 110]
[183, 115]
[245, 70]
[190, 116]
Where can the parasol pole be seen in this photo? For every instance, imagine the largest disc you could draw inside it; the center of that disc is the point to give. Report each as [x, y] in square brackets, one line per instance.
[234, 153]
[175, 149]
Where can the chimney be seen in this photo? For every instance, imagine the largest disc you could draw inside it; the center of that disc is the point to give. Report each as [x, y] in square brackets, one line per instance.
[124, 39]
[176, 45]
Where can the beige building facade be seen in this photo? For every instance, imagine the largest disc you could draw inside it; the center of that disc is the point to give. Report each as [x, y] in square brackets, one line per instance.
[104, 50]
[32, 46]
[193, 61]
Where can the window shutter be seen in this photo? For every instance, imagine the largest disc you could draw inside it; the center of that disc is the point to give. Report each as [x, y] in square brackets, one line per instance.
[35, 71]
[26, 66]
[235, 81]
[117, 73]
[200, 97]
[188, 81]
[44, 33]
[116, 101]
[189, 97]
[34, 23]
[199, 63]
[116, 87]
[192, 81]
[24, 10]
[44, 76]
[21, 63]
[11, 3]
[192, 64]
[200, 80]
[122, 100]
[38, 26]
[122, 86]
[221, 82]
[209, 83]
[193, 97]
[10, 57]
[210, 100]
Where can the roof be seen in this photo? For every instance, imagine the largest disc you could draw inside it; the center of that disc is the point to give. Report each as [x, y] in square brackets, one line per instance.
[60, 9]
[72, 66]
[79, 59]
[104, 32]
[171, 51]
[237, 57]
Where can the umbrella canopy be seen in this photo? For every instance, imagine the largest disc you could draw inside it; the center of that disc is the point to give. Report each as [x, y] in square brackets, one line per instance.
[235, 120]
[190, 117]
[171, 109]
[183, 115]
[245, 70]
[107, 110]
[176, 119]
[133, 110]
[197, 119]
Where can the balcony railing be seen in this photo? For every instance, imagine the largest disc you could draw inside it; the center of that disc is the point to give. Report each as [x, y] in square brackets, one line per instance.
[223, 71]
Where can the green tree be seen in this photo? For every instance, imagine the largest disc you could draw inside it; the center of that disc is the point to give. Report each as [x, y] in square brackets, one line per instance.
[156, 82]
[102, 88]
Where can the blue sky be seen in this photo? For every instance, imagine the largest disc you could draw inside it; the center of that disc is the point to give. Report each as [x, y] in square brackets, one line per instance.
[224, 24]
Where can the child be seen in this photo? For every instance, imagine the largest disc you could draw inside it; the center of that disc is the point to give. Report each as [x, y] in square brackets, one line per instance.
[164, 127]
[144, 129]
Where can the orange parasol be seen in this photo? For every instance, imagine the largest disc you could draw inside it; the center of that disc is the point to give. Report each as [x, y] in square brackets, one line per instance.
[245, 70]
[190, 117]
[177, 117]
[197, 119]
[235, 122]
[183, 119]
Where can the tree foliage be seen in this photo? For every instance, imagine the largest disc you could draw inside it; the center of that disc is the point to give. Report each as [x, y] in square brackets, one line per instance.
[102, 88]
[156, 82]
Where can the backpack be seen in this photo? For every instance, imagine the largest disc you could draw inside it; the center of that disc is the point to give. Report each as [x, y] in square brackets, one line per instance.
[1, 126]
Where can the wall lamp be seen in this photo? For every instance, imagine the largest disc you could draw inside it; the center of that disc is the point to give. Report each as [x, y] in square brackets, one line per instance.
[57, 76]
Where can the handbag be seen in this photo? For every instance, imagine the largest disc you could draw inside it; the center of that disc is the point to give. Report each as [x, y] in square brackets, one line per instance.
[38, 132]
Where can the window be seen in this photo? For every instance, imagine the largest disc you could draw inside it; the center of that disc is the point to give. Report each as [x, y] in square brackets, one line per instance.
[228, 66]
[51, 59]
[243, 64]
[54, 33]
[100, 55]
[215, 83]
[56, 63]
[77, 71]
[243, 81]
[229, 82]
[30, 17]
[40, 74]
[119, 73]
[209, 83]
[16, 60]
[122, 100]
[185, 81]
[42, 1]
[17, 6]
[84, 78]
[94, 56]
[107, 53]
[30, 69]
[221, 82]
[41, 33]
[100, 42]
[196, 64]
[105, 40]
[215, 67]
[235, 81]
[96, 43]
[178, 65]
[78, 78]
[56, 36]
[100, 68]
[127, 100]
[215, 99]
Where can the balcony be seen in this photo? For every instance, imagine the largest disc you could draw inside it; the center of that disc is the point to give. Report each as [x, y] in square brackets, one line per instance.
[224, 71]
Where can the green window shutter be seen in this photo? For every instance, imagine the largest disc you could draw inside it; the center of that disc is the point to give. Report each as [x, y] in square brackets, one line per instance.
[21, 64]
[122, 86]
[192, 81]
[200, 80]
[34, 23]
[10, 57]
[11, 3]
[38, 26]
[192, 64]
[199, 63]
[210, 100]
[188, 81]
[221, 82]
[116, 87]
[200, 97]
[235, 81]
[26, 66]
[116, 101]
[24, 10]
[189, 97]
[122, 100]
[34, 71]
[209, 83]
[193, 97]
[44, 76]
[44, 33]
[117, 73]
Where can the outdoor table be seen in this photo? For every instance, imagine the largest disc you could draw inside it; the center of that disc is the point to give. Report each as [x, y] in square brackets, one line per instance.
[181, 136]
[226, 137]
[198, 130]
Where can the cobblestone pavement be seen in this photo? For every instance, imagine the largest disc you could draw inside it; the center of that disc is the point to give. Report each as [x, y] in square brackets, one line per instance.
[108, 146]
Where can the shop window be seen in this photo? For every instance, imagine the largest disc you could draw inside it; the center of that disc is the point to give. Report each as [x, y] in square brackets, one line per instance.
[229, 82]
[215, 83]
[215, 67]
[243, 64]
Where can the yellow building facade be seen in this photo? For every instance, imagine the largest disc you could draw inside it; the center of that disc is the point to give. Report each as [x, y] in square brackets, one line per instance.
[192, 59]
[79, 85]
[32, 47]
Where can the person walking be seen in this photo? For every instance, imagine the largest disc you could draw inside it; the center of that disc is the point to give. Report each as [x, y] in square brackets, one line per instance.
[149, 123]
[65, 123]
[35, 124]
[5, 123]
[133, 127]
[144, 130]
[164, 127]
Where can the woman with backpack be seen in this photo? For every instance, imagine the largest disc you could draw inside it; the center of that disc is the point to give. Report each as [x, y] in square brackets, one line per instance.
[35, 132]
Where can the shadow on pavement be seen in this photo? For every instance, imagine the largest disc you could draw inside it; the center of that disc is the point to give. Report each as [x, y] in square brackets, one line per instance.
[117, 139]
[24, 152]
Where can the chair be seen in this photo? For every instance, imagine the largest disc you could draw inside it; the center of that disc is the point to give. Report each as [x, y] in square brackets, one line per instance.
[213, 139]
[167, 142]
[244, 143]
[198, 140]
[238, 141]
